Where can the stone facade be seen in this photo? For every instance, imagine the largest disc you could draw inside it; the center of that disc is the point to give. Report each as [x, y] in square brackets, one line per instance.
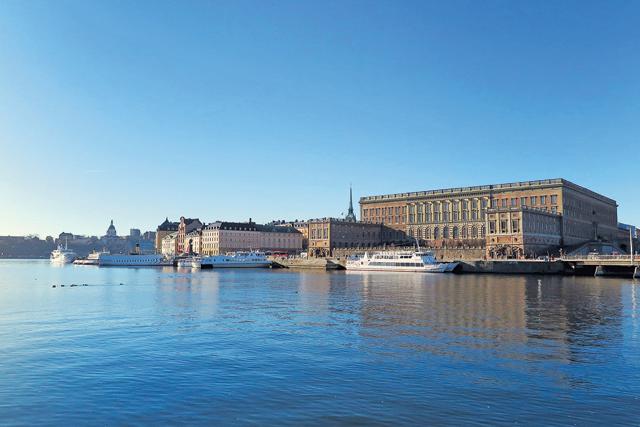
[186, 226]
[169, 246]
[458, 216]
[193, 242]
[522, 232]
[328, 234]
[222, 237]
[163, 230]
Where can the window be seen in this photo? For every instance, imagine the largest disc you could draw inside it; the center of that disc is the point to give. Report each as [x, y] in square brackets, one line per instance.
[504, 226]
[513, 201]
[543, 200]
[494, 203]
[492, 227]
[554, 199]
[523, 201]
[534, 200]
[504, 203]
[445, 233]
[436, 233]
[455, 233]
[464, 232]
[515, 226]
[554, 209]
[474, 232]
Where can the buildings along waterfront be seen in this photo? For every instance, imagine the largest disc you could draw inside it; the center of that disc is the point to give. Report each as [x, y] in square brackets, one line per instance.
[513, 219]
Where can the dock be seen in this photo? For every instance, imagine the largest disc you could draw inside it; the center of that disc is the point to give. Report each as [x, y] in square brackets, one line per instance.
[307, 263]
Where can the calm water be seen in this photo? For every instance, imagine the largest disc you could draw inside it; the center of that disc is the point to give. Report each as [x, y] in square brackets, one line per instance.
[311, 348]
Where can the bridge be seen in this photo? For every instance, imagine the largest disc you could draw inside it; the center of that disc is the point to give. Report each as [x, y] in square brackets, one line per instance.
[605, 265]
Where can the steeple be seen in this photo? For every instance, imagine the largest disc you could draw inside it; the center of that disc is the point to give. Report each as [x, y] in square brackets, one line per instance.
[351, 217]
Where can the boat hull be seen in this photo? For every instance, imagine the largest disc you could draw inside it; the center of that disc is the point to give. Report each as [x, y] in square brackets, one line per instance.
[444, 268]
[204, 265]
[132, 261]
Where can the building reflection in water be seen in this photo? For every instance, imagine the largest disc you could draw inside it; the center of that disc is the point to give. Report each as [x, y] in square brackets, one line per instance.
[188, 294]
[502, 317]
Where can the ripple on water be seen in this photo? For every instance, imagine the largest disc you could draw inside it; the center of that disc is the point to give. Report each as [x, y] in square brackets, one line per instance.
[282, 347]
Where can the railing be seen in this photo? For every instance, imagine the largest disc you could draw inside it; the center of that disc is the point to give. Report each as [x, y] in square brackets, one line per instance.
[600, 257]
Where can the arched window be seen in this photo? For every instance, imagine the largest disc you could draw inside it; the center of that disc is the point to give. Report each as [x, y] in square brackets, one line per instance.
[474, 232]
[445, 232]
[456, 234]
[436, 233]
[465, 233]
[482, 232]
[427, 233]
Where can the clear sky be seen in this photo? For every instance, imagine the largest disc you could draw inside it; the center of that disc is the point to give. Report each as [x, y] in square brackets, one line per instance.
[268, 109]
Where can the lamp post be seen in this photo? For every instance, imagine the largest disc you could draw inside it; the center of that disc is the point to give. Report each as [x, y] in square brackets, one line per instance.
[631, 244]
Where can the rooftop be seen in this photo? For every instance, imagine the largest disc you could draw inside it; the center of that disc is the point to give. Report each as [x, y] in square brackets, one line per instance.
[487, 188]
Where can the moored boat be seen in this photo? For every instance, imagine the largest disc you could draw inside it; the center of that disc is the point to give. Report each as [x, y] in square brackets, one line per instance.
[62, 255]
[236, 260]
[189, 262]
[92, 259]
[402, 261]
[132, 260]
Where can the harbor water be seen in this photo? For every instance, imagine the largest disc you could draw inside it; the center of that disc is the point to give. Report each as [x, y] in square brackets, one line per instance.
[169, 346]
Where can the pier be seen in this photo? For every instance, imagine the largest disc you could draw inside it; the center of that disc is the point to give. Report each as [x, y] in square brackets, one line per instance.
[604, 265]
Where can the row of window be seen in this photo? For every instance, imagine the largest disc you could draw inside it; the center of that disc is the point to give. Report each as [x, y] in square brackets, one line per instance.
[396, 264]
[525, 201]
[504, 226]
[454, 232]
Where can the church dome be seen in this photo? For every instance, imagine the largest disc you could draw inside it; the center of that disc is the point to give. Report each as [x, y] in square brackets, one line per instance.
[111, 231]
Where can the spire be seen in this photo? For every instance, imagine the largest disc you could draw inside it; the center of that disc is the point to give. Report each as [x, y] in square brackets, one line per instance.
[351, 217]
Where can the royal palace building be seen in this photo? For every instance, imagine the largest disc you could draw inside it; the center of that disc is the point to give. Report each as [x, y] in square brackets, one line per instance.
[514, 219]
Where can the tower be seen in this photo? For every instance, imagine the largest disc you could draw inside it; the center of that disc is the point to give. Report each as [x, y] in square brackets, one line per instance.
[351, 217]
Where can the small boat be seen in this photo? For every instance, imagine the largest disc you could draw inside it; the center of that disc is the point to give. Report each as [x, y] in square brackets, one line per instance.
[236, 260]
[189, 262]
[403, 261]
[92, 259]
[63, 255]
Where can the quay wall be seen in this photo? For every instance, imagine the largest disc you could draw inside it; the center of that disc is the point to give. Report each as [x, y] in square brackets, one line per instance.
[512, 267]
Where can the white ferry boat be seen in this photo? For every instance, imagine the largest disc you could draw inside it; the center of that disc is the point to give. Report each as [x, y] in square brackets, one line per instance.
[62, 255]
[131, 260]
[189, 262]
[236, 260]
[92, 259]
[407, 261]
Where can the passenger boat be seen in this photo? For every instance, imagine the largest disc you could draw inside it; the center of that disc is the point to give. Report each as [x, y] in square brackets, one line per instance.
[236, 260]
[406, 261]
[132, 260]
[189, 262]
[92, 259]
[62, 255]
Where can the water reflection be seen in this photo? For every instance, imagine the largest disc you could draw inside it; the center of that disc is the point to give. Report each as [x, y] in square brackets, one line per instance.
[452, 314]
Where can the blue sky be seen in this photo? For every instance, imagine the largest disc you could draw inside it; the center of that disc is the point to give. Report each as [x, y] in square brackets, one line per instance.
[269, 109]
